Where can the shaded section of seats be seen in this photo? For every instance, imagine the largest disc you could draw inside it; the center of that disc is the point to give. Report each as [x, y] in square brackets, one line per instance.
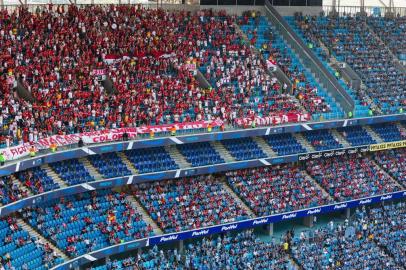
[243, 149]
[284, 144]
[89, 221]
[151, 160]
[72, 171]
[351, 177]
[389, 132]
[322, 140]
[109, 165]
[356, 135]
[19, 250]
[200, 154]
[188, 203]
[276, 189]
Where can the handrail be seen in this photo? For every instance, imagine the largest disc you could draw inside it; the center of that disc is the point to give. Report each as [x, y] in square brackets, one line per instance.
[345, 99]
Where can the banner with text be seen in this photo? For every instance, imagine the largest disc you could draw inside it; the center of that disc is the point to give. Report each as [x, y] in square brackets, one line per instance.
[273, 119]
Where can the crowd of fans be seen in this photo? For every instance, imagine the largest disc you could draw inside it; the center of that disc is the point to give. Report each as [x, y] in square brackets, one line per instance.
[351, 177]
[271, 190]
[393, 161]
[350, 41]
[190, 203]
[88, 221]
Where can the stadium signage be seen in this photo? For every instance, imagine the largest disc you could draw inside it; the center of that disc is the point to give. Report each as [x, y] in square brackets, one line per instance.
[200, 233]
[260, 221]
[273, 119]
[365, 201]
[385, 146]
[314, 211]
[289, 216]
[387, 197]
[168, 238]
[230, 227]
[333, 153]
[340, 206]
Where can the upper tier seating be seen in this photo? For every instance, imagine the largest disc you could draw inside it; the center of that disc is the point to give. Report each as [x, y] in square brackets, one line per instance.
[351, 177]
[284, 144]
[200, 154]
[88, 221]
[151, 160]
[356, 135]
[189, 203]
[389, 132]
[322, 140]
[37, 180]
[10, 191]
[277, 189]
[244, 148]
[72, 171]
[109, 165]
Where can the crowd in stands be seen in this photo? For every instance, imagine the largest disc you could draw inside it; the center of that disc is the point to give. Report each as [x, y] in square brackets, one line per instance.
[351, 177]
[37, 180]
[349, 40]
[19, 250]
[88, 221]
[271, 190]
[10, 191]
[393, 161]
[189, 203]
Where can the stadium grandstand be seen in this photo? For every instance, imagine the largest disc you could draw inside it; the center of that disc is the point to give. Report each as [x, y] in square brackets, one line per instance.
[187, 134]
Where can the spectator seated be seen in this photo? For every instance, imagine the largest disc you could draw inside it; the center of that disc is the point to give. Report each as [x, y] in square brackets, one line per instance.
[243, 149]
[389, 132]
[322, 140]
[189, 203]
[284, 144]
[393, 161]
[37, 180]
[109, 165]
[351, 177]
[356, 135]
[200, 154]
[151, 160]
[10, 191]
[88, 221]
[19, 250]
[270, 190]
[72, 171]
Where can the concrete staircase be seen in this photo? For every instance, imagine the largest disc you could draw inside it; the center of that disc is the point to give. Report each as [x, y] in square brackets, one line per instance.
[127, 162]
[373, 134]
[340, 138]
[230, 191]
[222, 151]
[20, 185]
[145, 216]
[24, 225]
[54, 175]
[265, 147]
[91, 169]
[177, 156]
[302, 140]
[315, 183]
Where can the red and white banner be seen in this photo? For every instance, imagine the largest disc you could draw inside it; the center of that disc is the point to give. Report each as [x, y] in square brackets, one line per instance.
[99, 72]
[273, 119]
[101, 136]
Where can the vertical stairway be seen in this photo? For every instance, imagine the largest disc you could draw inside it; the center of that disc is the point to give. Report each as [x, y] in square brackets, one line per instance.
[373, 134]
[177, 156]
[91, 169]
[238, 199]
[145, 216]
[54, 175]
[340, 138]
[222, 151]
[265, 147]
[305, 143]
[127, 162]
[24, 225]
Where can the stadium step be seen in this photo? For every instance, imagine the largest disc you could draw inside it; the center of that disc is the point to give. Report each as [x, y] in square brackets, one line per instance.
[340, 138]
[24, 225]
[305, 143]
[238, 199]
[222, 151]
[21, 185]
[373, 134]
[177, 156]
[311, 179]
[91, 169]
[147, 218]
[265, 147]
[127, 162]
[55, 177]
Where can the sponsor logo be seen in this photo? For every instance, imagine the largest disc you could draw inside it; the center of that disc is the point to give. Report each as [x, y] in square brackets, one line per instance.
[293, 215]
[404, 193]
[328, 154]
[314, 156]
[340, 206]
[340, 153]
[387, 197]
[168, 238]
[352, 151]
[365, 201]
[200, 233]
[230, 227]
[260, 221]
[314, 211]
[305, 157]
